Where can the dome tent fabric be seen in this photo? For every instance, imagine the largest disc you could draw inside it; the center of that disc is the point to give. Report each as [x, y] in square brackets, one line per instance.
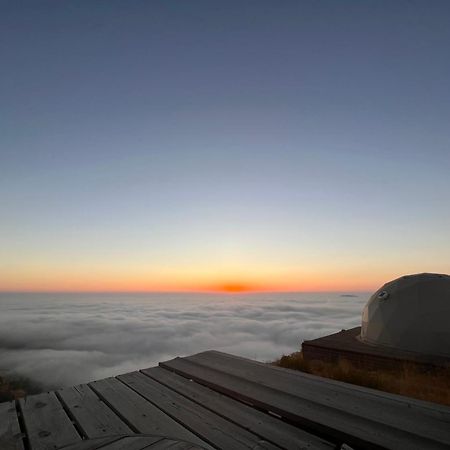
[410, 313]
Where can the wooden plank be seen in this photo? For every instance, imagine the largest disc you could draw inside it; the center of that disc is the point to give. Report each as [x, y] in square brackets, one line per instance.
[46, 423]
[10, 434]
[212, 428]
[172, 445]
[92, 444]
[133, 443]
[395, 410]
[351, 427]
[141, 415]
[136, 442]
[91, 414]
[345, 342]
[246, 367]
[262, 424]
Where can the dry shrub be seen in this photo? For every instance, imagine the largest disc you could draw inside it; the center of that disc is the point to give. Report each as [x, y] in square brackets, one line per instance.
[15, 387]
[407, 380]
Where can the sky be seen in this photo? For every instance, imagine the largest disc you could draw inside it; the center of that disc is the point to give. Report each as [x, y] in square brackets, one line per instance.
[257, 145]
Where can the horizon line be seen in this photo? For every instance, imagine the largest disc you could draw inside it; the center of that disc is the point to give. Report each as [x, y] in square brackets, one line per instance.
[187, 291]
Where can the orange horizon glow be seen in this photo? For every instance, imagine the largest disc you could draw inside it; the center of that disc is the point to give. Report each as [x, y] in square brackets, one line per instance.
[229, 287]
[182, 290]
[238, 280]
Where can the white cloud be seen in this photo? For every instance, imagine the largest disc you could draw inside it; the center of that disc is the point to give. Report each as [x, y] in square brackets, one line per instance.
[60, 340]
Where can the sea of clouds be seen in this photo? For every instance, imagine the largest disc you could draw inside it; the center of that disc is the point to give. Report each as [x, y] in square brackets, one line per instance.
[65, 339]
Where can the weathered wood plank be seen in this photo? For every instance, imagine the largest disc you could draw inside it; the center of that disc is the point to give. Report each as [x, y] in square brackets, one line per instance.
[92, 415]
[10, 434]
[140, 414]
[172, 445]
[136, 442]
[264, 425]
[214, 429]
[292, 402]
[46, 423]
[92, 444]
[132, 443]
[240, 366]
[395, 410]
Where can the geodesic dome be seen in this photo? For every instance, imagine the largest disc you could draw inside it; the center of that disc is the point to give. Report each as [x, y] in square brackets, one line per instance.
[410, 313]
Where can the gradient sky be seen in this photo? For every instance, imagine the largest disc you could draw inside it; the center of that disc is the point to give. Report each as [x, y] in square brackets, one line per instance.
[190, 145]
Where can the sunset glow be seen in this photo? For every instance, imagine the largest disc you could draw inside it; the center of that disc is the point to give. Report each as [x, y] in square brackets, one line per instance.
[188, 279]
[222, 147]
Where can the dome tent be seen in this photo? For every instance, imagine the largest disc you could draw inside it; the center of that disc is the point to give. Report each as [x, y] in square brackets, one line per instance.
[410, 313]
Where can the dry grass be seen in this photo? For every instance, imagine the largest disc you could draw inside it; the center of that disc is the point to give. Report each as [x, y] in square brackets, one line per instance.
[15, 387]
[432, 386]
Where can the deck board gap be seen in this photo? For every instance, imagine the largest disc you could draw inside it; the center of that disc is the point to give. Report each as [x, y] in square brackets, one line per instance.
[24, 436]
[303, 424]
[109, 406]
[203, 438]
[205, 407]
[250, 427]
[71, 417]
[94, 417]
[114, 410]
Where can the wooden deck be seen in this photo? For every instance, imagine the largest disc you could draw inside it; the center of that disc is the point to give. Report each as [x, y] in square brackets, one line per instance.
[216, 400]
[346, 345]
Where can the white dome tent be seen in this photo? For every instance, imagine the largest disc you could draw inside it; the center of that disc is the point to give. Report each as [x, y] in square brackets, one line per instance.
[410, 313]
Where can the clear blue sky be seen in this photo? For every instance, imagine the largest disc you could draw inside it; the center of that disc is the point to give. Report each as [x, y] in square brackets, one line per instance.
[153, 144]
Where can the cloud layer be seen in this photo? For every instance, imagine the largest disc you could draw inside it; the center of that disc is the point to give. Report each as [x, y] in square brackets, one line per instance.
[65, 339]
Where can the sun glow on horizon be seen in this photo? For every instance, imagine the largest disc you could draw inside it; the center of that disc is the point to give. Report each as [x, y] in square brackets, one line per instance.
[200, 285]
[247, 276]
[234, 287]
